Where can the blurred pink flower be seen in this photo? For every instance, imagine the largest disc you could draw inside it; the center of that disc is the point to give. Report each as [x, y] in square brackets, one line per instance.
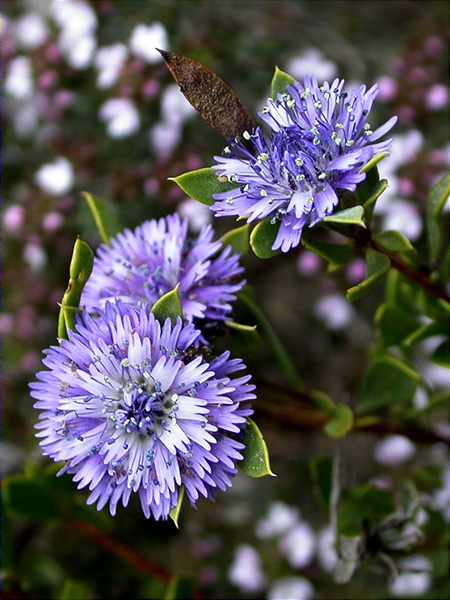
[437, 97]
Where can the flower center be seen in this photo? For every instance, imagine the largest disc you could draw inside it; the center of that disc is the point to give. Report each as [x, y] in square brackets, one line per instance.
[145, 409]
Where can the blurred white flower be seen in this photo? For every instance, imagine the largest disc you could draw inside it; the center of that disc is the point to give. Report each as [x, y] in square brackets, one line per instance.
[387, 88]
[55, 178]
[404, 150]
[26, 116]
[31, 31]
[109, 61]
[291, 588]
[121, 117]
[437, 97]
[279, 519]
[335, 312]
[411, 584]
[197, 214]
[435, 375]
[19, 78]
[174, 106]
[311, 62]
[164, 137]
[146, 38]
[298, 545]
[403, 216]
[77, 21]
[394, 450]
[35, 256]
[326, 549]
[13, 218]
[245, 571]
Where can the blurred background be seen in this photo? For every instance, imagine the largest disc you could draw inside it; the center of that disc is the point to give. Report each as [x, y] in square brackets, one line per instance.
[88, 105]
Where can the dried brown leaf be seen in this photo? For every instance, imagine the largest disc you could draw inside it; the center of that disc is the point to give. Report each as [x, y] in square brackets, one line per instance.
[214, 99]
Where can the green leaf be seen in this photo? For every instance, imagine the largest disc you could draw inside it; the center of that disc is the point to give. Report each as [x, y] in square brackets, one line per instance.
[175, 512]
[280, 81]
[394, 325]
[423, 332]
[373, 162]
[377, 265]
[337, 255]
[436, 201]
[341, 422]
[360, 504]
[321, 469]
[168, 306]
[104, 218]
[263, 237]
[256, 461]
[348, 216]
[387, 382]
[394, 241]
[202, 184]
[441, 356]
[238, 239]
[80, 269]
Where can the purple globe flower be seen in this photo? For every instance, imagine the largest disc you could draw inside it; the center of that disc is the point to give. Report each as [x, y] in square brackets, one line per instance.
[140, 266]
[319, 139]
[132, 407]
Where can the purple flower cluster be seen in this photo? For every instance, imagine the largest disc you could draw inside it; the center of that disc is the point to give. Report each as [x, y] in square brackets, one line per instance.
[131, 407]
[318, 140]
[140, 266]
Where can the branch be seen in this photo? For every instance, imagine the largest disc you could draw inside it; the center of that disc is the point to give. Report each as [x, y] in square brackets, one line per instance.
[134, 559]
[363, 237]
[293, 412]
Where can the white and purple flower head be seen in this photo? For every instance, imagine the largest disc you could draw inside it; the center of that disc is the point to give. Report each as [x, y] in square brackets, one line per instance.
[319, 139]
[131, 407]
[140, 266]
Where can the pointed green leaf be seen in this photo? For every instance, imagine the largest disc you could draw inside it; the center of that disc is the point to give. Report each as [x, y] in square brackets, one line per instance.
[377, 265]
[340, 423]
[81, 265]
[373, 162]
[322, 473]
[263, 237]
[168, 306]
[394, 325]
[376, 192]
[202, 184]
[394, 241]
[387, 382]
[348, 216]
[104, 217]
[436, 201]
[238, 239]
[175, 512]
[256, 461]
[280, 81]
[337, 255]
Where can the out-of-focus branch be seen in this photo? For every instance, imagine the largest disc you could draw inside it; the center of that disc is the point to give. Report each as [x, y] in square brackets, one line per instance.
[134, 559]
[293, 410]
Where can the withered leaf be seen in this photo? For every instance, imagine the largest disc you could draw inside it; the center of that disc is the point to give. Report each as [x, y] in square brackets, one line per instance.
[214, 99]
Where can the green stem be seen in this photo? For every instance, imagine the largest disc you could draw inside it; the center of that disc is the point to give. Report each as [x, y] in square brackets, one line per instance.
[279, 351]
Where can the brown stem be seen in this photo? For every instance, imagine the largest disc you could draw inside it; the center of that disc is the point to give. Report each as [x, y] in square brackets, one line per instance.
[418, 277]
[292, 412]
[134, 559]
[363, 237]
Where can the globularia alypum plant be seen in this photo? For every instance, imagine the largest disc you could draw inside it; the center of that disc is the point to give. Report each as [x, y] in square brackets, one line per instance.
[135, 399]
